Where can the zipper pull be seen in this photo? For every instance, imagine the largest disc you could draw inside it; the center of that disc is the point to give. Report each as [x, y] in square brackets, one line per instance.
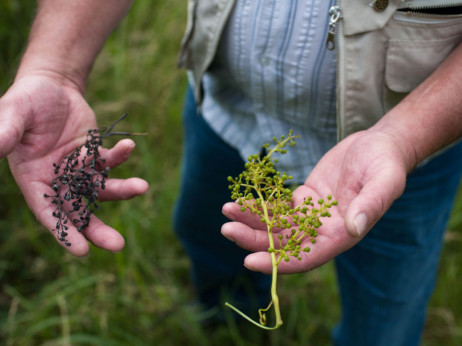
[335, 15]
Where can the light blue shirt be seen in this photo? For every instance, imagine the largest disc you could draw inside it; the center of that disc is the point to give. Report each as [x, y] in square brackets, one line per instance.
[273, 73]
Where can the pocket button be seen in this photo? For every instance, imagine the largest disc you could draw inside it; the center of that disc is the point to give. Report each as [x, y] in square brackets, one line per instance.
[380, 5]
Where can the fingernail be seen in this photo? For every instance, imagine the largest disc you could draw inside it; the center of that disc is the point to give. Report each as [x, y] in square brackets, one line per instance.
[226, 234]
[249, 267]
[248, 264]
[224, 212]
[360, 222]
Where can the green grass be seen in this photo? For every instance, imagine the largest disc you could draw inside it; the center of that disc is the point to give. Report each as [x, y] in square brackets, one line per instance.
[142, 295]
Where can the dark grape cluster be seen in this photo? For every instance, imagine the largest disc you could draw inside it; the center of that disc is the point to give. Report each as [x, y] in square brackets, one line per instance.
[80, 177]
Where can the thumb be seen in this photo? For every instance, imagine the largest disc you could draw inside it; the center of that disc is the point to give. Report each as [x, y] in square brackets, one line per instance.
[373, 200]
[12, 126]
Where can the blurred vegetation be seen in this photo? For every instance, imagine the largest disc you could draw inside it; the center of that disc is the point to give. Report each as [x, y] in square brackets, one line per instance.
[142, 296]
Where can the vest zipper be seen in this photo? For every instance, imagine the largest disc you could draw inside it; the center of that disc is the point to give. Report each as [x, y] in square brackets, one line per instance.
[430, 10]
[423, 17]
[416, 5]
[426, 13]
[335, 14]
[335, 41]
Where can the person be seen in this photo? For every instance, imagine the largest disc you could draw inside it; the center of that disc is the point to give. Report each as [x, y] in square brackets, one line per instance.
[394, 170]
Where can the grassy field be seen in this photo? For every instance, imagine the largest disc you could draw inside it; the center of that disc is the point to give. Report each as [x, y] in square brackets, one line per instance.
[142, 295]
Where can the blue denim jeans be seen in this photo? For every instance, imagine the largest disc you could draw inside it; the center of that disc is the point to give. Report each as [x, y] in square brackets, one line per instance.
[217, 269]
[385, 281]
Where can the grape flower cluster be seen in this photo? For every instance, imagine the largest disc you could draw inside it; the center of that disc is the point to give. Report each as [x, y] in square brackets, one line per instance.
[264, 191]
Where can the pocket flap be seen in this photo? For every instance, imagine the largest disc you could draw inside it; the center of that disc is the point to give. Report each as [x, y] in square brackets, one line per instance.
[361, 17]
[409, 63]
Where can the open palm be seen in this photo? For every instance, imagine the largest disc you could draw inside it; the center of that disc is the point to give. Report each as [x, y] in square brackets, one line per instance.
[41, 121]
[365, 173]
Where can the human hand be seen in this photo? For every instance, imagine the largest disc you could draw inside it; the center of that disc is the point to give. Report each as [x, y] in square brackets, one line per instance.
[42, 119]
[365, 173]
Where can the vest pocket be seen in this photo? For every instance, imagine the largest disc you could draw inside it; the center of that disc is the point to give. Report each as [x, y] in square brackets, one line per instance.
[412, 57]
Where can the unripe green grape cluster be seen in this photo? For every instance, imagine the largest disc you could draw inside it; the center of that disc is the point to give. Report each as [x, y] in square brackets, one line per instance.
[264, 191]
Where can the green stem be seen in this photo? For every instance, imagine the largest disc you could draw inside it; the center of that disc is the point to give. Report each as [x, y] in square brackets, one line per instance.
[250, 319]
[274, 296]
[277, 147]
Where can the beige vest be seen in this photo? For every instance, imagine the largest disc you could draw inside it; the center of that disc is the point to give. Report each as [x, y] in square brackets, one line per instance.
[383, 53]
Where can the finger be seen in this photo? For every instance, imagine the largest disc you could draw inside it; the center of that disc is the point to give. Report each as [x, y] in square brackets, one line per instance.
[118, 154]
[98, 233]
[261, 262]
[79, 245]
[123, 189]
[233, 212]
[373, 200]
[103, 236]
[11, 127]
[247, 237]
[321, 252]
[331, 241]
